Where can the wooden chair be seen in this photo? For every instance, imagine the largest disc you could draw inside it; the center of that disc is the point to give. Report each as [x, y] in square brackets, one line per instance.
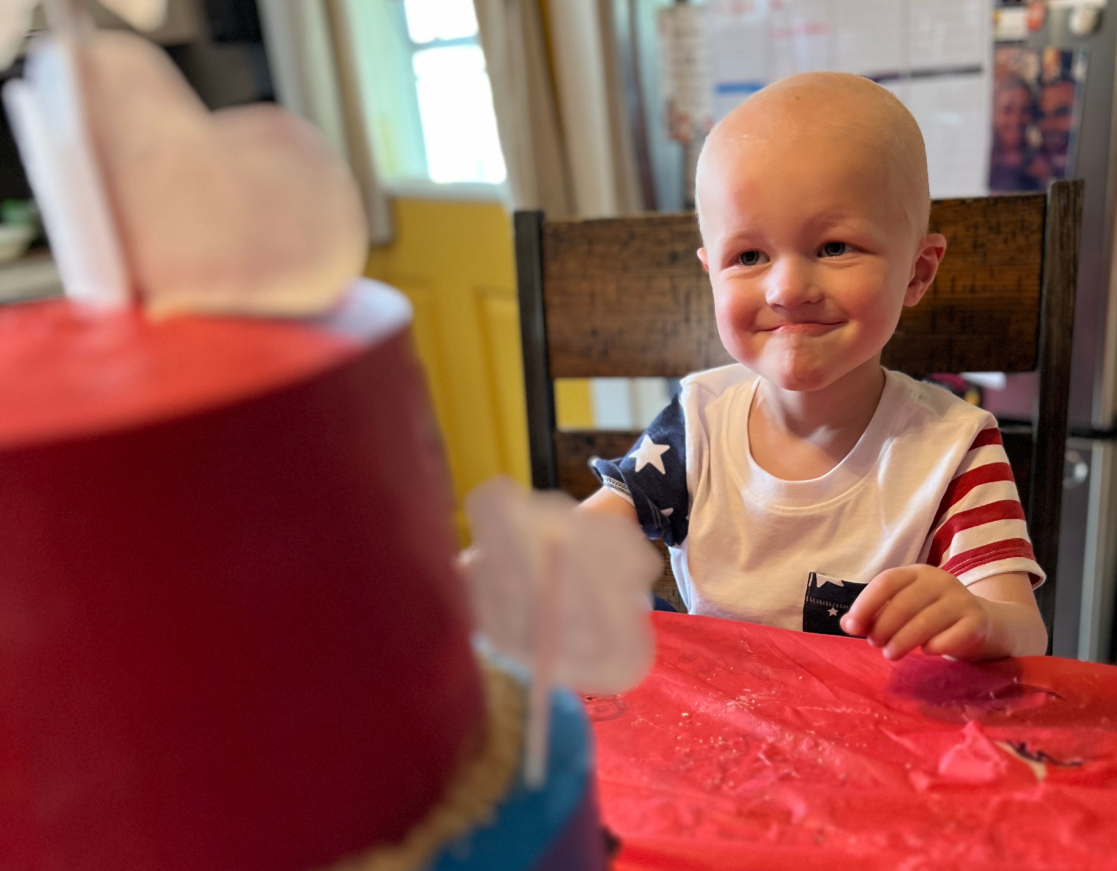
[627, 297]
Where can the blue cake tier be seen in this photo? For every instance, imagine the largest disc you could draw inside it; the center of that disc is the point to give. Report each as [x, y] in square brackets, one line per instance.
[554, 828]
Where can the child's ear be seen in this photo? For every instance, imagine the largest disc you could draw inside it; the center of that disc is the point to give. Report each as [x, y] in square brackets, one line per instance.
[704, 258]
[931, 250]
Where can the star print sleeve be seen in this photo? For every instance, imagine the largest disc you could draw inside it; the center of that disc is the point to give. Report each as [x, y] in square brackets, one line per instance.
[653, 476]
[979, 530]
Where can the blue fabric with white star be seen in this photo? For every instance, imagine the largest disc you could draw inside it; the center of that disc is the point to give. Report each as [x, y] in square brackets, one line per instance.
[652, 476]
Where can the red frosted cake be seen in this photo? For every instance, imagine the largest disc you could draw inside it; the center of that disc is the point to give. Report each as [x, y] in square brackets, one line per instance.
[225, 597]
[232, 637]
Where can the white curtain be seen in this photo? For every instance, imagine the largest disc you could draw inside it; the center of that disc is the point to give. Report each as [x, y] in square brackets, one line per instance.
[592, 105]
[567, 153]
[526, 110]
[315, 75]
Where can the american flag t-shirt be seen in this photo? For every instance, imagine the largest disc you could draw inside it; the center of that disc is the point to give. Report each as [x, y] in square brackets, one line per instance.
[979, 525]
[928, 482]
[652, 476]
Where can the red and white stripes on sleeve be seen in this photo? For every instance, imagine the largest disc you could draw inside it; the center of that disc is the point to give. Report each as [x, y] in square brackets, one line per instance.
[979, 529]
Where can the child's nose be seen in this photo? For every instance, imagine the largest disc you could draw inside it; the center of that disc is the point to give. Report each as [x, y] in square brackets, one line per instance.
[790, 284]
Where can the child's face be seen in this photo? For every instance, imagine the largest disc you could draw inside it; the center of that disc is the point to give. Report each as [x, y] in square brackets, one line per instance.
[810, 257]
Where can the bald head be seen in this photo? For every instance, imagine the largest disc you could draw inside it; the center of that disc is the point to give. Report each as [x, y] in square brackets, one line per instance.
[829, 114]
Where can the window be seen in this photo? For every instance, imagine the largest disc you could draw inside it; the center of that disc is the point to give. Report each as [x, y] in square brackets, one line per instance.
[426, 90]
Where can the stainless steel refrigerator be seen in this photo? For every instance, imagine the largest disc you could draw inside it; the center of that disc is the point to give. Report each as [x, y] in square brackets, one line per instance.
[1087, 570]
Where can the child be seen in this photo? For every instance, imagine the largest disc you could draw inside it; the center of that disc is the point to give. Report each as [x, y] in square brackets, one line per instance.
[808, 487]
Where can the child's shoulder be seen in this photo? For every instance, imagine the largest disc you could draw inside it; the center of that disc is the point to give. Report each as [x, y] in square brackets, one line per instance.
[712, 383]
[927, 405]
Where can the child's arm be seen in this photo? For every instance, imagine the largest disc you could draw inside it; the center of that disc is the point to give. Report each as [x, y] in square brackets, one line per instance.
[605, 501]
[923, 606]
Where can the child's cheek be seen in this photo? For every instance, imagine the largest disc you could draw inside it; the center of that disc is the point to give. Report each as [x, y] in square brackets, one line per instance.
[873, 305]
[881, 317]
[736, 320]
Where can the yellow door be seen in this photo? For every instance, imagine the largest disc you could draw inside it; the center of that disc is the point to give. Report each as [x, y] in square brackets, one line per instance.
[455, 262]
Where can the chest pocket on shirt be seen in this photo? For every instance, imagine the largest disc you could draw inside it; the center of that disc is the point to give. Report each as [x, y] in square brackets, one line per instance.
[826, 600]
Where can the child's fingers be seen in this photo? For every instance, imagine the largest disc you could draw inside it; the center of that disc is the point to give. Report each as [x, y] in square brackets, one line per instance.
[900, 610]
[927, 624]
[859, 619]
[960, 640]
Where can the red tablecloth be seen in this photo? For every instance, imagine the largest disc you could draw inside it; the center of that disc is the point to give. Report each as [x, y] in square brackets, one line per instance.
[751, 747]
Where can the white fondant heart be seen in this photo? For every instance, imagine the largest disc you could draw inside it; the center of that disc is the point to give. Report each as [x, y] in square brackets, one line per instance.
[602, 566]
[243, 210]
[141, 14]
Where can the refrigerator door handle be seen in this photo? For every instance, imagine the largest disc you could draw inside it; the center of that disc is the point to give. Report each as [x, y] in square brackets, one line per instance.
[1076, 470]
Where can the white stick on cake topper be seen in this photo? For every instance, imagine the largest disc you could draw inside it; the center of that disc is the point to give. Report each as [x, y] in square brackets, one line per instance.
[539, 699]
[146, 193]
[562, 592]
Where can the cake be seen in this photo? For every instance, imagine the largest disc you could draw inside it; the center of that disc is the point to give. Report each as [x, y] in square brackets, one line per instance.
[233, 637]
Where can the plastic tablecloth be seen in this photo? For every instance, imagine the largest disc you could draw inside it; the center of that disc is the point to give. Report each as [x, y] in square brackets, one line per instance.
[753, 747]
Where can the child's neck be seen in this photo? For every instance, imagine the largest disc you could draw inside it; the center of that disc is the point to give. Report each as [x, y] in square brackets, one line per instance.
[798, 436]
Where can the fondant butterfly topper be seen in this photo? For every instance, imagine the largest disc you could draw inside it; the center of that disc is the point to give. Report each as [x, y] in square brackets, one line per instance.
[149, 197]
[564, 593]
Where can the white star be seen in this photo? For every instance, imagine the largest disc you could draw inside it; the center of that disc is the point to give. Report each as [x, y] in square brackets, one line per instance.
[833, 612]
[649, 453]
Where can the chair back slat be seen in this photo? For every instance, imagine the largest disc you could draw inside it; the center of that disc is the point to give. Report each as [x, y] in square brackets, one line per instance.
[628, 297]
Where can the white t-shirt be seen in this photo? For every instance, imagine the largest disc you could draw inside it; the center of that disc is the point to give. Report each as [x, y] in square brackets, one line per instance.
[928, 482]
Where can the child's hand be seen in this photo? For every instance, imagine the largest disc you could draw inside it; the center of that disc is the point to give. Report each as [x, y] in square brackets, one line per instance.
[920, 606]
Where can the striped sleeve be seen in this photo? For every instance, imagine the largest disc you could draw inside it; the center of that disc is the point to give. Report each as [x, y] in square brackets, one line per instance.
[979, 528]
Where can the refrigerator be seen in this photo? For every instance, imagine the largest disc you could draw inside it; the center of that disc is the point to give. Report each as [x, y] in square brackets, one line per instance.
[1086, 574]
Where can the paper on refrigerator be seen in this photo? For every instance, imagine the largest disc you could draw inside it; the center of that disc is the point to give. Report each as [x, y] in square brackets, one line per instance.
[936, 58]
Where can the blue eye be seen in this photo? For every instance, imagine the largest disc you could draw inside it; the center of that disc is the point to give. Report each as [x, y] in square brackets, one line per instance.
[834, 249]
[749, 258]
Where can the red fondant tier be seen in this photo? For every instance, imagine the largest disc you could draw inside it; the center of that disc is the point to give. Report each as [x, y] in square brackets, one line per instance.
[230, 634]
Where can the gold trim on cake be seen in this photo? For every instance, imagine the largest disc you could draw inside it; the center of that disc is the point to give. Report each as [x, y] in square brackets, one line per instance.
[479, 786]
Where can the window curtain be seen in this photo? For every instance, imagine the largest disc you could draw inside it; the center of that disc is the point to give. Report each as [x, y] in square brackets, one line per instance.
[512, 38]
[315, 75]
[593, 108]
[565, 140]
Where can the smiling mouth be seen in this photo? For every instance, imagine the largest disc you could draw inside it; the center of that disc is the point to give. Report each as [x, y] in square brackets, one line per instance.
[808, 328]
